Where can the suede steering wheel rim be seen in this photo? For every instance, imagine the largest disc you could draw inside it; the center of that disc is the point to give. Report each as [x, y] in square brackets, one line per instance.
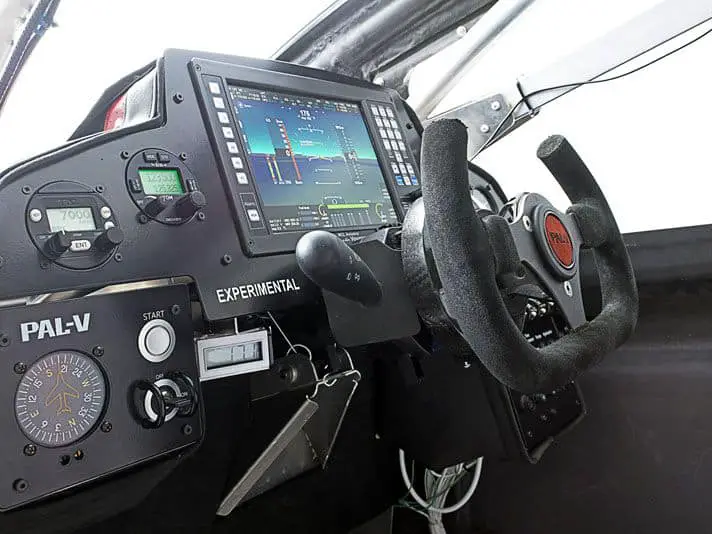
[467, 270]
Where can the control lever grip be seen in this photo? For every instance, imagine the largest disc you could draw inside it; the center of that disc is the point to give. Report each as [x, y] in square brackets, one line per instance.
[332, 265]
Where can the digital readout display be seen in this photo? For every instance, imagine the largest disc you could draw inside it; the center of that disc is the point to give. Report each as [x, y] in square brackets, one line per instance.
[161, 181]
[217, 357]
[78, 219]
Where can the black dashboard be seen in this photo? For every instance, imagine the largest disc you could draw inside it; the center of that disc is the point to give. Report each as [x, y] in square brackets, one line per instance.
[238, 162]
[195, 176]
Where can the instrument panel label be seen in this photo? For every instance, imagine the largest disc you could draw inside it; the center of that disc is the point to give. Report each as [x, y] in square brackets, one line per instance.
[54, 327]
[257, 289]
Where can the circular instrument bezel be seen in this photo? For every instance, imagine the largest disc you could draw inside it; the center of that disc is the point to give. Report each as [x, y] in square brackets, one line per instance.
[78, 363]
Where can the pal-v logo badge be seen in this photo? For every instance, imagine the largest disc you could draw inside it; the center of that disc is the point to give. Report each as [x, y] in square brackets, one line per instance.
[54, 327]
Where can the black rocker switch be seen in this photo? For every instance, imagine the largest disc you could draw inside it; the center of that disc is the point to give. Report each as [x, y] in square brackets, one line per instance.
[156, 206]
[110, 239]
[332, 265]
[58, 244]
[189, 204]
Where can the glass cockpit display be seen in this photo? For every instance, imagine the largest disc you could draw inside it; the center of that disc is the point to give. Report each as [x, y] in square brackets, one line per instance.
[313, 161]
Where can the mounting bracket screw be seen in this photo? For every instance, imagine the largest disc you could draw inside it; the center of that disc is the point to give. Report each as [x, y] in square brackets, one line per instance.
[106, 427]
[495, 106]
[98, 351]
[20, 368]
[124, 154]
[485, 128]
[26, 190]
[187, 430]
[175, 309]
[177, 98]
[4, 340]
[30, 449]
[226, 259]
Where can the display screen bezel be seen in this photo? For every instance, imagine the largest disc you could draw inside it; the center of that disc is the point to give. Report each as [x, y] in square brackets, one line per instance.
[361, 111]
[256, 242]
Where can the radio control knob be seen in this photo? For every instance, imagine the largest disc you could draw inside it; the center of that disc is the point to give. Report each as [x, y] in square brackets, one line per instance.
[156, 206]
[58, 244]
[189, 204]
[110, 239]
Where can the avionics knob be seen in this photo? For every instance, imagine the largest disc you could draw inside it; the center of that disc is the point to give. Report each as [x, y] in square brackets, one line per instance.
[58, 244]
[110, 239]
[156, 206]
[189, 204]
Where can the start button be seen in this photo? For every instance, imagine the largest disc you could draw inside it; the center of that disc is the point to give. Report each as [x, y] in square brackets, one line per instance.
[156, 340]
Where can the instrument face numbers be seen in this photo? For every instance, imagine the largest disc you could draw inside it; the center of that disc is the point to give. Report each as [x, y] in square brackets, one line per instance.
[60, 398]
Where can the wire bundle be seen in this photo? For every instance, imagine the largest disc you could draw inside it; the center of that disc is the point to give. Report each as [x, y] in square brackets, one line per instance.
[437, 488]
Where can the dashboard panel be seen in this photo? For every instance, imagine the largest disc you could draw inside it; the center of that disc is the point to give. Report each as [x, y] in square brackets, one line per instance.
[242, 158]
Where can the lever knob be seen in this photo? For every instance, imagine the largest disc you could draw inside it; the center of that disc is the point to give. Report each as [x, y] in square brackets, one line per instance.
[189, 204]
[110, 239]
[58, 244]
[156, 206]
[332, 265]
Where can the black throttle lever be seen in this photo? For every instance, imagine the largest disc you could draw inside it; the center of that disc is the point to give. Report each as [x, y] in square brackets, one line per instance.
[332, 265]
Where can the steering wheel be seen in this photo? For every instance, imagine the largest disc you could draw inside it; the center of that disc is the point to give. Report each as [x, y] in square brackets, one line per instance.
[473, 256]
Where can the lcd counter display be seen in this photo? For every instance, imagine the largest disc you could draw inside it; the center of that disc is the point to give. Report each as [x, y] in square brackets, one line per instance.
[312, 160]
[79, 219]
[161, 181]
[217, 357]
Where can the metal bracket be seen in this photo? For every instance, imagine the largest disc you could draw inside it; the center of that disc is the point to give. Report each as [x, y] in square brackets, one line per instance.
[306, 441]
[482, 118]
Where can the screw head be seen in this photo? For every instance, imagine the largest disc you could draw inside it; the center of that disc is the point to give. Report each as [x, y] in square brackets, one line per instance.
[527, 222]
[106, 427]
[98, 351]
[485, 128]
[124, 154]
[26, 189]
[187, 430]
[495, 106]
[142, 218]
[118, 257]
[201, 216]
[175, 309]
[20, 485]
[2, 262]
[20, 368]
[568, 289]
[226, 259]
[177, 98]
[461, 31]
[183, 156]
[30, 449]
[4, 340]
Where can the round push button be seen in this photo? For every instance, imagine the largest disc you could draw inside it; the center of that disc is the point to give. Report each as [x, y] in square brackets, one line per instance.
[156, 340]
[559, 240]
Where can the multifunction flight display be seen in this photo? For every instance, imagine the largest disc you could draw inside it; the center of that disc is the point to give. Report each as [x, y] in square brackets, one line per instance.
[312, 160]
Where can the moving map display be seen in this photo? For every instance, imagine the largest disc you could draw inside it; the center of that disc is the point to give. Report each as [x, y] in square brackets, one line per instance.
[312, 161]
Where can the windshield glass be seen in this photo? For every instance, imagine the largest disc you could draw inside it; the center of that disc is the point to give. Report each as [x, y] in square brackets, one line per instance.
[644, 136]
[95, 43]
